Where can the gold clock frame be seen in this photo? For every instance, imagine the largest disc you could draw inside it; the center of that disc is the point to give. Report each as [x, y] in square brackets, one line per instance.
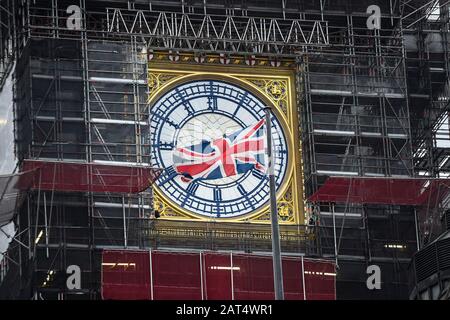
[275, 87]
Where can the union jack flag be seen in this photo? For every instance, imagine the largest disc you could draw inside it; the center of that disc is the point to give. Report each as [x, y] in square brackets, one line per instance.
[228, 156]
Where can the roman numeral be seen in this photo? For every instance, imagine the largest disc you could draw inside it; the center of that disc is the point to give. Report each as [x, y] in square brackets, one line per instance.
[169, 174]
[217, 195]
[192, 188]
[165, 120]
[167, 146]
[189, 108]
[170, 171]
[242, 190]
[258, 174]
[212, 103]
[181, 95]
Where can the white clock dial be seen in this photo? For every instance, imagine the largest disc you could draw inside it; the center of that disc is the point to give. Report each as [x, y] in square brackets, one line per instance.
[205, 110]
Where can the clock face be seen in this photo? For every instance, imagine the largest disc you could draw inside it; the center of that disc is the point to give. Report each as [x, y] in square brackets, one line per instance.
[207, 110]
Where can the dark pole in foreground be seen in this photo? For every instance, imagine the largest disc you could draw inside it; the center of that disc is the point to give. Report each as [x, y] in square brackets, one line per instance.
[277, 269]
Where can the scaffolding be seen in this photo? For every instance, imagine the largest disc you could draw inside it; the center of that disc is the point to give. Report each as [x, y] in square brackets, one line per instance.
[373, 103]
[7, 39]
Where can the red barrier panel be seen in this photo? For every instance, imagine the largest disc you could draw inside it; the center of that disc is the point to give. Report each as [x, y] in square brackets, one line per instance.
[253, 277]
[176, 276]
[212, 276]
[125, 275]
[217, 276]
[293, 279]
[320, 280]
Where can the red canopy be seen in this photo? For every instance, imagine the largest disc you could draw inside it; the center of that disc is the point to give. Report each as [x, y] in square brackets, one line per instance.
[89, 177]
[394, 191]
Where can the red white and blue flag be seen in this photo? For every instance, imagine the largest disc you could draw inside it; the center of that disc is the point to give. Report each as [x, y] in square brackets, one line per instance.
[227, 156]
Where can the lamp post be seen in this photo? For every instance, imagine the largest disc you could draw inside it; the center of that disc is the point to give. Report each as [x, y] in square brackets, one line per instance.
[277, 268]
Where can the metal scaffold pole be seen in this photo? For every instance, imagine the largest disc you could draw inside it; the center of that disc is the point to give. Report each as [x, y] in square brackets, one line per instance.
[277, 268]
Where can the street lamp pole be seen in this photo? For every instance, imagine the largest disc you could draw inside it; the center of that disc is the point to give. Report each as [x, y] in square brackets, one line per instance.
[277, 268]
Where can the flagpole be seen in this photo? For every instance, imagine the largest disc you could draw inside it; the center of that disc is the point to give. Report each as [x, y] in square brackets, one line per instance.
[276, 251]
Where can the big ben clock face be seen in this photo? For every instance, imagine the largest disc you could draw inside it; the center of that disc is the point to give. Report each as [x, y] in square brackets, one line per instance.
[196, 128]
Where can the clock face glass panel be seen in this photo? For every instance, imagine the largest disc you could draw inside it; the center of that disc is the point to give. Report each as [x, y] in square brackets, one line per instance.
[206, 110]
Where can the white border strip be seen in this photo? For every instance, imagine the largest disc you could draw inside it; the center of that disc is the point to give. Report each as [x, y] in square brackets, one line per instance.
[116, 80]
[231, 273]
[303, 279]
[201, 275]
[151, 275]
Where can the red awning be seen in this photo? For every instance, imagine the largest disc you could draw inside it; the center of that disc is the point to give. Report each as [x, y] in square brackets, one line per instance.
[393, 191]
[90, 177]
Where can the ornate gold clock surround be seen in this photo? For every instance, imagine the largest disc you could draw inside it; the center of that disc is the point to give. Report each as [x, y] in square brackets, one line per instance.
[275, 85]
